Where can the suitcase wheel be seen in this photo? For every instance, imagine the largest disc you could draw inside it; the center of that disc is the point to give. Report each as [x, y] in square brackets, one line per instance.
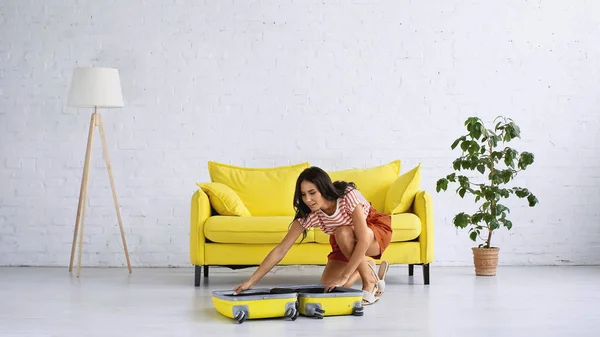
[319, 313]
[357, 311]
[292, 313]
[240, 316]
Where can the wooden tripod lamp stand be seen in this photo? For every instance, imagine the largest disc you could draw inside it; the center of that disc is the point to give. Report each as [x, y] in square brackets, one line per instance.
[95, 88]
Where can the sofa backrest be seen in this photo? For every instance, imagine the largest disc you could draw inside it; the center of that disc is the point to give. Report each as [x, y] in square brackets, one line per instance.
[373, 182]
[270, 191]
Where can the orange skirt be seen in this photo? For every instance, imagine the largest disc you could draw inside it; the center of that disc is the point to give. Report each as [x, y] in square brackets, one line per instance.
[380, 224]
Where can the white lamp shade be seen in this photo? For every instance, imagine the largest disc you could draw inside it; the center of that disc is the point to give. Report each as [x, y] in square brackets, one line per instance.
[96, 87]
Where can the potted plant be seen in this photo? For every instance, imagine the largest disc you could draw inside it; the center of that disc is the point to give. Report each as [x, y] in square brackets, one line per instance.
[485, 151]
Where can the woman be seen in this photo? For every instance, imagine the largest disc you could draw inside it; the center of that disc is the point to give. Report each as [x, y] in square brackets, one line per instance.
[356, 230]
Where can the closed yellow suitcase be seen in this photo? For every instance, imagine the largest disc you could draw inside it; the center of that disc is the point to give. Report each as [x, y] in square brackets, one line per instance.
[313, 301]
[255, 304]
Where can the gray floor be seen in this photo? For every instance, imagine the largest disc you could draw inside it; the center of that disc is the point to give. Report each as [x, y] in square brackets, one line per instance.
[519, 301]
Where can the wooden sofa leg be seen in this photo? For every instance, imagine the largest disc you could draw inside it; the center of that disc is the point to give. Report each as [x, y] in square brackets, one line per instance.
[205, 271]
[197, 276]
[411, 269]
[426, 273]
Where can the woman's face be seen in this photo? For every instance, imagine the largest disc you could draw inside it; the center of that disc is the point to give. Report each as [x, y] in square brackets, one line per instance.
[311, 195]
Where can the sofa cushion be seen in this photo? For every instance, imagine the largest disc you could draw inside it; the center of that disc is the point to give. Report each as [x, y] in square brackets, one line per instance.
[224, 199]
[373, 182]
[402, 192]
[405, 227]
[264, 191]
[254, 229]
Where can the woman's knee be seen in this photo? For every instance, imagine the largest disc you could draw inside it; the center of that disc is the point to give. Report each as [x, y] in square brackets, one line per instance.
[344, 234]
[345, 239]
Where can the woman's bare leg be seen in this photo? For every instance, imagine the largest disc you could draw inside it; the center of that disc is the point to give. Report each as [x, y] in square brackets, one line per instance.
[355, 277]
[346, 240]
[333, 271]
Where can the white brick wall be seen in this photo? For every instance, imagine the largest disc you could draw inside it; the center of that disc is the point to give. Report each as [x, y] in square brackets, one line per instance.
[261, 83]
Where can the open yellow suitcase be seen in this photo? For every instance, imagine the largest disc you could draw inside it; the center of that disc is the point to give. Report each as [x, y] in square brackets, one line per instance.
[255, 303]
[314, 302]
[289, 302]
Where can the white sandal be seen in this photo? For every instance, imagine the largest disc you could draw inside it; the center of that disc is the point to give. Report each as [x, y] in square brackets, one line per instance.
[369, 297]
[381, 283]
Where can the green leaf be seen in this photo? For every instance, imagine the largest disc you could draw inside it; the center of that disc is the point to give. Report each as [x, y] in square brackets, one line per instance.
[497, 177]
[460, 139]
[473, 148]
[494, 141]
[463, 181]
[497, 155]
[512, 131]
[441, 185]
[477, 217]
[478, 194]
[489, 194]
[462, 192]
[501, 176]
[484, 133]
[475, 127]
[525, 160]
[461, 220]
[465, 145]
[500, 209]
[477, 130]
[481, 168]
[471, 120]
[509, 156]
[507, 224]
[451, 177]
[474, 162]
[521, 192]
[457, 164]
[473, 236]
[507, 175]
[494, 224]
[532, 200]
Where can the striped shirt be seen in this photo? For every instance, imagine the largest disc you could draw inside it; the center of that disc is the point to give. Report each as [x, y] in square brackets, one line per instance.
[342, 215]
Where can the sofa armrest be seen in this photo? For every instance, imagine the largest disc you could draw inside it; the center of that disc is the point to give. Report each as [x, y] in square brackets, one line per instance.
[200, 211]
[423, 208]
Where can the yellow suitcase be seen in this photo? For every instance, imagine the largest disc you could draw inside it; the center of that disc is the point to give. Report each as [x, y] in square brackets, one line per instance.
[313, 301]
[255, 304]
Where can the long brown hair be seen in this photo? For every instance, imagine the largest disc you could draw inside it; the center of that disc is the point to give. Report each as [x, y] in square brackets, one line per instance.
[328, 189]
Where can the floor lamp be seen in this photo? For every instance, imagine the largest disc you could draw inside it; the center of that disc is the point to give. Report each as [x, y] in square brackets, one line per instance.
[94, 88]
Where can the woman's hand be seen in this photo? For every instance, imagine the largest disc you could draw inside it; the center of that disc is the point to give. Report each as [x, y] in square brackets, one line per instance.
[241, 287]
[337, 283]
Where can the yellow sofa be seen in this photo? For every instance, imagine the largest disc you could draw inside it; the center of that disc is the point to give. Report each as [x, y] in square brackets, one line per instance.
[243, 213]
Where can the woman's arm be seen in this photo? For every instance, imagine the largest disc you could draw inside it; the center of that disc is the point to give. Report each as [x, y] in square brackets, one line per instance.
[363, 240]
[274, 257]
